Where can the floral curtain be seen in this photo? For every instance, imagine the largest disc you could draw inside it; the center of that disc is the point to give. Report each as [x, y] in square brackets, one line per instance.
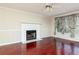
[66, 24]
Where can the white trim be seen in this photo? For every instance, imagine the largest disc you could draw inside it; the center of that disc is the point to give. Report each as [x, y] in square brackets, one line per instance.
[2, 44]
[22, 11]
[66, 38]
[68, 13]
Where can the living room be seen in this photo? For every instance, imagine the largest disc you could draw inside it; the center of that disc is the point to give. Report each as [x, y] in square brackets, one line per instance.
[39, 28]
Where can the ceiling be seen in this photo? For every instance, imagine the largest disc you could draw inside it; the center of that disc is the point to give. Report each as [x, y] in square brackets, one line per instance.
[58, 8]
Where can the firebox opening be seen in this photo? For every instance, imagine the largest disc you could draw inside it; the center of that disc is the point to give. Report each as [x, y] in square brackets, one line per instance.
[30, 34]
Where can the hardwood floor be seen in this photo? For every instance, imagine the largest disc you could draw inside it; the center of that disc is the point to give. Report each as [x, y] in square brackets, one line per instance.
[47, 46]
[43, 47]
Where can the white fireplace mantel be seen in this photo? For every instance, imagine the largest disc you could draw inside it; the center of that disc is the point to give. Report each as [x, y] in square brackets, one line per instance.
[25, 27]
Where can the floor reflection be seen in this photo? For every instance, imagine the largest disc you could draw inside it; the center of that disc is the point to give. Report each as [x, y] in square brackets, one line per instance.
[47, 46]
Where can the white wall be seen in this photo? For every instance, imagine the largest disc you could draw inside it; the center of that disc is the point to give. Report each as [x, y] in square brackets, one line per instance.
[11, 20]
[52, 25]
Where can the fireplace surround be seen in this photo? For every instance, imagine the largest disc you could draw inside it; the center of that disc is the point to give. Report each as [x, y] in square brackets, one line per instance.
[30, 33]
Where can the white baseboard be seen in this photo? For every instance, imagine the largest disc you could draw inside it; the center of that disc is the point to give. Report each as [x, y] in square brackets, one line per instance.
[2, 44]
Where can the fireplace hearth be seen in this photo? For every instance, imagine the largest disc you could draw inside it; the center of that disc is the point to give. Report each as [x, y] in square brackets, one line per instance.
[30, 34]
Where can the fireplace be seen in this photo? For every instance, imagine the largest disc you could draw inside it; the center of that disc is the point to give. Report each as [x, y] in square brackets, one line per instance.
[30, 34]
